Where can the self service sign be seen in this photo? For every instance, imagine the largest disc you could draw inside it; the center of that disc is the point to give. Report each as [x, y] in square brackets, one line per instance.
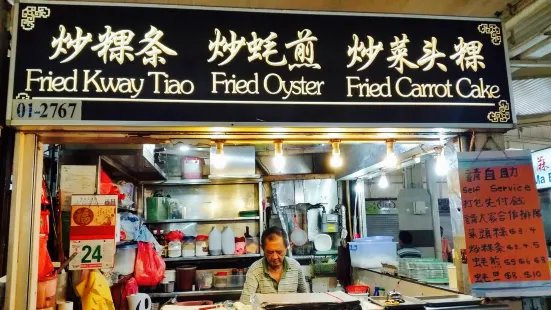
[541, 160]
[83, 63]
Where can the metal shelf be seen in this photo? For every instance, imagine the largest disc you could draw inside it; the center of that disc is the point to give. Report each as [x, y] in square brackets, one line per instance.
[215, 220]
[127, 209]
[218, 257]
[213, 181]
[123, 243]
[197, 293]
[315, 255]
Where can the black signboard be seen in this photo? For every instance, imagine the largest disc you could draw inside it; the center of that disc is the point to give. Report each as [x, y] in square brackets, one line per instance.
[92, 63]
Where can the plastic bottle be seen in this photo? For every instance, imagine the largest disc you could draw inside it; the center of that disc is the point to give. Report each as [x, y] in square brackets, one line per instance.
[338, 288]
[215, 242]
[228, 241]
[163, 243]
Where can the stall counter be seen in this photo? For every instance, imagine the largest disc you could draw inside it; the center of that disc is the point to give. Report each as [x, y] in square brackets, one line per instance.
[406, 286]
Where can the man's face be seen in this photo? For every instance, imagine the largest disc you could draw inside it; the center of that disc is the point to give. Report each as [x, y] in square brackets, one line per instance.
[275, 251]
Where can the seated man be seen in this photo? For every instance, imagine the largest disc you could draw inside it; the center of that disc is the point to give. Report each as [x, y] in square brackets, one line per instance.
[406, 250]
[275, 273]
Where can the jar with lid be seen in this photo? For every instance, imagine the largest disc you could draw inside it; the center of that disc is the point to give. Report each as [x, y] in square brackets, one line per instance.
[221, 280]
[202, 245]
[204, 281]
[175, 248]
[188, 246]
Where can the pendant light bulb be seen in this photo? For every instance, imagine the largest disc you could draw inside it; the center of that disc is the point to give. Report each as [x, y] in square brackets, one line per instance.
[218, 159]
[383, 181]
[417, 159]
[391, 161]
[441, 164]
[279, 158]
[336, 159]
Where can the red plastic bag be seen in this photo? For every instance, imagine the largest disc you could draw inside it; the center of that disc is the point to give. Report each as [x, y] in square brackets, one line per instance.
[150, 267]
[45, 266]
[125, 287]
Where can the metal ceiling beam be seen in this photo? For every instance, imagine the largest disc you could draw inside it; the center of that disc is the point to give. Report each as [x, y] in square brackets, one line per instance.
[525, 13]
[532, 73]
[531, 63]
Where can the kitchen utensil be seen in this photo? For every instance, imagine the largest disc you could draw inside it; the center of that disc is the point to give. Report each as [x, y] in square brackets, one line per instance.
[298, 236]
[323, 242]
[139, 301]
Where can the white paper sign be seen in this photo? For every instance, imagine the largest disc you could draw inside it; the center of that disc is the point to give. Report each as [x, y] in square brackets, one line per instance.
[92, 254]
[541, 160]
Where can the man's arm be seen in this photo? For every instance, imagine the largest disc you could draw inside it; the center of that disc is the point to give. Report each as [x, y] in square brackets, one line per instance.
[250, 287]
[302, 287]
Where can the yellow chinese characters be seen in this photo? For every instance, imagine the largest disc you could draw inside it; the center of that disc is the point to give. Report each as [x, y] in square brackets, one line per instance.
[66, 42]
[264, 49]
[468, 55]
[112, 46]
[359, 51]
[399, 53]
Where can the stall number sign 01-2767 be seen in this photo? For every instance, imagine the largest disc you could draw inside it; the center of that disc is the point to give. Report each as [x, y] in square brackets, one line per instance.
[92, 254]
[25, 109]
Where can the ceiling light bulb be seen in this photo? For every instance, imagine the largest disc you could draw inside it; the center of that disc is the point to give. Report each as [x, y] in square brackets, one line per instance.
[383, 181]
[391, 161]
[218, 159]
[184, 147]
[336, 160]
[441, 165]
[417, 159]
[279, 159]
[279, 162]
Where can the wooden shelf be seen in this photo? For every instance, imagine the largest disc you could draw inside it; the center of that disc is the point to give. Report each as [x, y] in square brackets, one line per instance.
[214, 220]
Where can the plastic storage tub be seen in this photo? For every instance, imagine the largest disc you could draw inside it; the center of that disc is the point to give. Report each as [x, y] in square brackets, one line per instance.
[375, 239]
[125, 257]
[372, 254]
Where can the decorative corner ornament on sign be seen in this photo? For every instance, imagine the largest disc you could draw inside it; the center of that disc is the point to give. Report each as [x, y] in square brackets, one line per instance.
[503, 115]
[23, 96]
[30, 14]
[493, 30]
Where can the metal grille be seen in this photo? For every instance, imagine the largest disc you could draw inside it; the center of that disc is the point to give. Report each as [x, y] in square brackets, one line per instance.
[382, 225]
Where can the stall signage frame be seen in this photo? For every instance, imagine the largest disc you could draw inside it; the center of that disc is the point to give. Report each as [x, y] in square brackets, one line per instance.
[380, 206]
[542, 168]
[140, 66]
[505, 238]
[92, 231]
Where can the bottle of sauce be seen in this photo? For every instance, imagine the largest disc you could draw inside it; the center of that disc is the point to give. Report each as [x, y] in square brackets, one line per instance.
[162, 242]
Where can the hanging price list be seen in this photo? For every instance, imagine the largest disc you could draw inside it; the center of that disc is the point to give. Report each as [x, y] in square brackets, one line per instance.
[503, 225]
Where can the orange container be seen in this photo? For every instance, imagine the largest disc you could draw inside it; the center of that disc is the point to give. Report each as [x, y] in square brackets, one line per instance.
[45, 296]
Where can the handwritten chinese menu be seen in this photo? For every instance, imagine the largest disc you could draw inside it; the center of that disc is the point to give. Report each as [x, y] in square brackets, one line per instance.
[502, 216]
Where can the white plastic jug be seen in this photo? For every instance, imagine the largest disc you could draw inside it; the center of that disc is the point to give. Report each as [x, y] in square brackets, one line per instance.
[228, 241]
[139, 301]
[215, 241]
